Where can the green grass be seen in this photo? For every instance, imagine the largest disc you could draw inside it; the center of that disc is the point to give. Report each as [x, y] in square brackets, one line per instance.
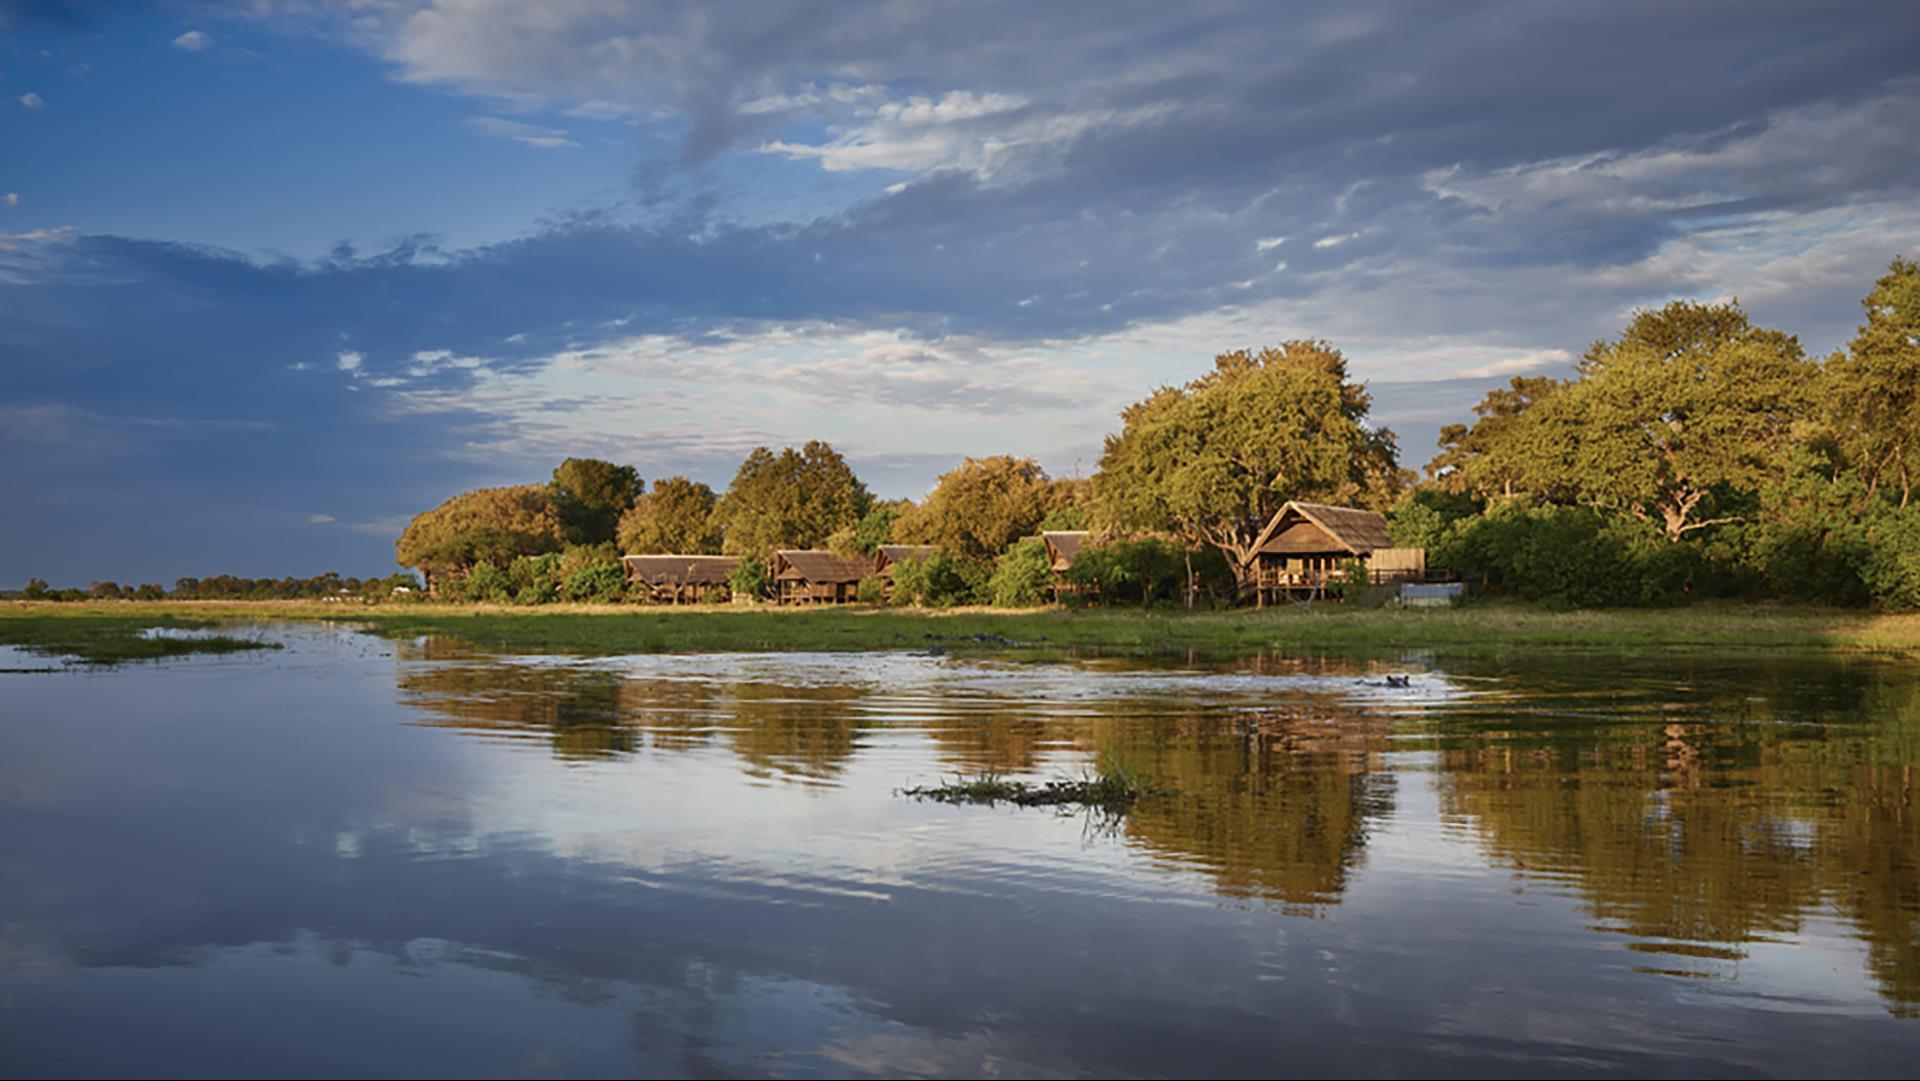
[1113, 790]
[92, 636]
[1477, 628]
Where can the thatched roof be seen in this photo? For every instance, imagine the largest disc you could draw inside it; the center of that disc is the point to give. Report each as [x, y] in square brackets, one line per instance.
[1302, 527]
[887, 555]
[811, 565]
[680, 570]
[1063, 546]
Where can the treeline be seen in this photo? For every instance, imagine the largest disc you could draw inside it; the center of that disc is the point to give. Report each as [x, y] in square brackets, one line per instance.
[1695, 455]
[226, 587]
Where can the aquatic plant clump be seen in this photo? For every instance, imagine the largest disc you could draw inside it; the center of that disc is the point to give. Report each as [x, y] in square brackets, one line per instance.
[1114, 790]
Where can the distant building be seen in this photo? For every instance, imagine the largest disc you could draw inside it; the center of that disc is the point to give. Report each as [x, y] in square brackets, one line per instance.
[810, 576]
[679, 579]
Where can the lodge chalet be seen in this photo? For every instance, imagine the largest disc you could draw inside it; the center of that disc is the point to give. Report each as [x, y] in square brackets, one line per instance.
[679, 579]
[1307, 546]
[810, 576]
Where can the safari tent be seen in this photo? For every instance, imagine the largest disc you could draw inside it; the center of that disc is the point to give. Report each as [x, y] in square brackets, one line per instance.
[1308, 546]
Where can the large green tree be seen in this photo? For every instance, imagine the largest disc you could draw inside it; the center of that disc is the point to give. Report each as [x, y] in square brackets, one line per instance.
[1497, 455]
[1874, 387]
[675, 517]
[592, 495]
[1214, 459]
[982, 505]
[797, 498]
[1692, 403]
[490, 525]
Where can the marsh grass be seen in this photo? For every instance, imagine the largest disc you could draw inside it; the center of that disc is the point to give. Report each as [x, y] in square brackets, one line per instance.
[97, 638]
[1112, 789]
[1478, 628]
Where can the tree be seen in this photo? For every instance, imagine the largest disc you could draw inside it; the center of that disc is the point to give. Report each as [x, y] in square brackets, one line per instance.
[592, 496]
[1874, 387]
[675, 517]
[1215, 459]
[1690, 399]
[1495, 456]
[793, 499]
[489, 524]
[981, 506]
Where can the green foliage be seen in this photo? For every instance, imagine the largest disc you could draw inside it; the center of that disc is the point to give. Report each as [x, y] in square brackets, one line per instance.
[1570, 557]
[1498, 455]
[491, 524]
[1021, 576]
[871, 590]
[598, 581]
[592, 495]
[943, 581]
[1891, 568]
[876, 528]
[676, 518]
[749, 579]
[980, 507]
[1067, 519]
[1214, 460]
[794, 499]
[1873, 389]
[1129, 571]
[36, 589]
[487, 582]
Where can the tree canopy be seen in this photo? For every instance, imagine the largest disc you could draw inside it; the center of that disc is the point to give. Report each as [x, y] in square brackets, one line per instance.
[1874, 387]
[1494, 456]
[486, 525]
[675, 517]
[982, 506]
[592, 495]
[1215, 459]
[792, 499]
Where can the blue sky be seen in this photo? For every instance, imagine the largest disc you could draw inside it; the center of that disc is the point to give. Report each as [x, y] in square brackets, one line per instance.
[274, 276]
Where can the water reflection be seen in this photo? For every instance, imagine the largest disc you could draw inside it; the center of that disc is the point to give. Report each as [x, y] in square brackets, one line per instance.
[469, 862]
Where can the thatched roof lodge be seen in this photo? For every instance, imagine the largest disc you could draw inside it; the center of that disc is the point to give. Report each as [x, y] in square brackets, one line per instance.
[1062, 546]
[887, 556]
[810, 576]
[1304, 546]
[676, 579]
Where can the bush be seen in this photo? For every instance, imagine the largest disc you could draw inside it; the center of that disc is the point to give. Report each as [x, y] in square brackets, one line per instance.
[1129, 571]
[871, 590]
[486, 582]
[749, 579]
[1021, 576]
[1570, 557]
[941, 582]
[1891, 569]
[595, 582]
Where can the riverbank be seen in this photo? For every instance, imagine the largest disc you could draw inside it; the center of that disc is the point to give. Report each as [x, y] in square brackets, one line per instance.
[102, 627]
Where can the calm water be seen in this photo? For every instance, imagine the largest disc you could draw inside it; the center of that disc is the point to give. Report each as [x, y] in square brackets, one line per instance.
[362, 857]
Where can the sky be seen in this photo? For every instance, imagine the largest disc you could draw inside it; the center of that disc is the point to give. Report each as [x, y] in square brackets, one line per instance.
[275, 276]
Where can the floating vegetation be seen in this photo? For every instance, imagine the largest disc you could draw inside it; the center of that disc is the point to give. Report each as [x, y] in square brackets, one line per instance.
[102, 640]
[1113, 790]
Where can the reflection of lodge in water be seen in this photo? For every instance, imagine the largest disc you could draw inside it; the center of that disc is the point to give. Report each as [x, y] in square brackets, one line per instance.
[1692, 838]
[1696, 839]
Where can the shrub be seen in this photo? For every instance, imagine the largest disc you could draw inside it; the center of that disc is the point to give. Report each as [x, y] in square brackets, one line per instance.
[1891, 569]
[871, 590]
[1021, 575]
[1570, 557]
[595, 582]
[487, 582]
[942, 581]
[1130, 571]
[749, 579]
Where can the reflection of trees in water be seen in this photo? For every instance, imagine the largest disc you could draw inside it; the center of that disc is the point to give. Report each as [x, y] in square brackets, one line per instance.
[584, 713]
[1698, 836]
[1274, 804]
[1003, 741]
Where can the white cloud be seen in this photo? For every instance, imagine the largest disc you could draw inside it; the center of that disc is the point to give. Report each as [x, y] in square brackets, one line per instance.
[320, 519]
[530, 134]
[192, 41]
[1268, 243]
[349, 362]
[32, 100]
[1526, 362]
[1334, 241]
[12, 198]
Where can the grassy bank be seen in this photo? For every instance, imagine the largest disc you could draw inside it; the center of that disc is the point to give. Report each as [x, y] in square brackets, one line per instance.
[112, 633]
[611, 629]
